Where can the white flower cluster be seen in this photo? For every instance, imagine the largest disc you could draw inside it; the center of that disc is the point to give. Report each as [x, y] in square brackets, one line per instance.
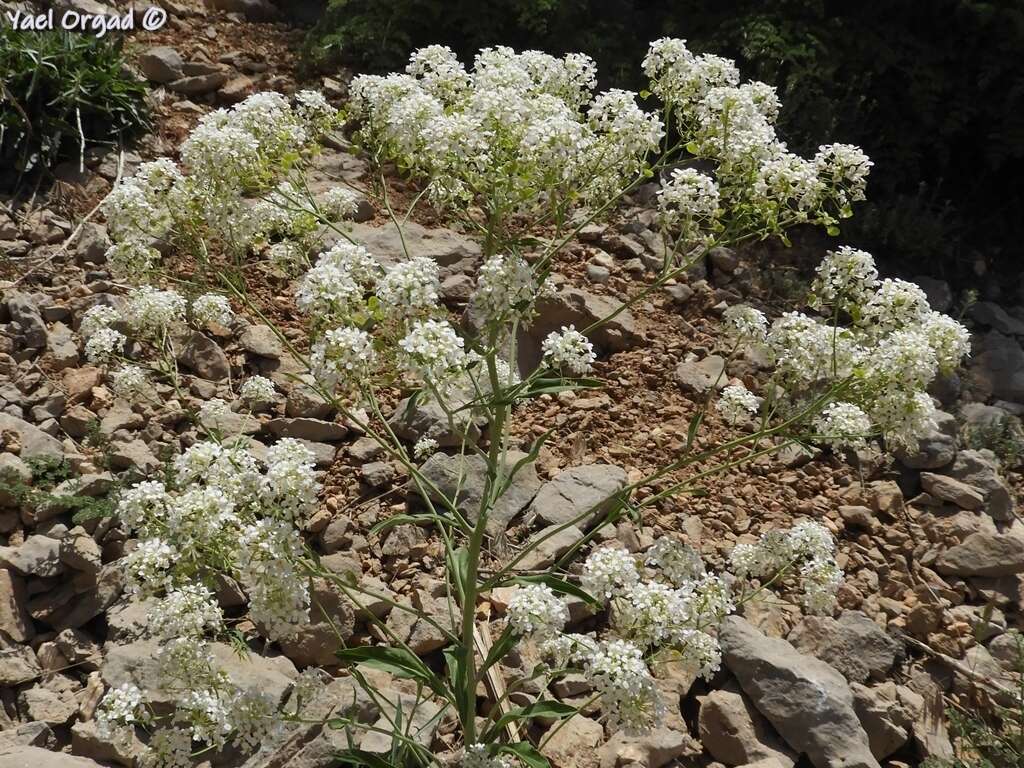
[522, 123]
[674, 606]
[732, 124]
[689, 202]
[737, 404]
[257, 389]
[230, 153]
[223, 515]
[569, 349]
[807, 546]
[881, 338]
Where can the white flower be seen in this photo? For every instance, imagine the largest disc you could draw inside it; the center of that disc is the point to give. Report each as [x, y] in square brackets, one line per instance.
[410, 285]
[846, 168]
[103, 344]
[536, 611]
[737, 403]
[96, 317]
[130, 259]
[505, 289]
[629, 696]
[213, 410]
[846, 277]
[821, 579]
[257, 389]
[143, 502]
[188, 611]
[150, 311]
[746, 324]
[650, 613]
[569, 349]
[290, 480]
[424, 447]
[148, 564]
[433, 351]
[843, 425]
[129, 381]
[340, 203]
[678, 562]
[949, 340]
[344, 355]
[895, 305]
[689, 197]
[121, 706]
[212, 308]
[608, 572]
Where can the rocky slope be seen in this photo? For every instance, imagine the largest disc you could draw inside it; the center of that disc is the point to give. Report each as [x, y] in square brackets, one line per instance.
[931, 543]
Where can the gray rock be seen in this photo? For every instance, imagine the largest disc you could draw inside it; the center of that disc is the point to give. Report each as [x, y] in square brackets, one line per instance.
[887, 713]
[35, 757]
[14, 619]
[413, 419]
[18, 664]
[136, 663]
[735, 733]
[254, 10]
[984, 554]
[698, 376]
[952, 490]
[161, 64]
[36, 556]
[658, 748]
[547, 545]
[853, 644]
[806, 700]
[33, 441]
[198, 85]
[133, 454]
[377, 474]
[980, 469]
[332, 621]
[46, 705]
[27, 735]
[62, 346]
[940, 297]
[262, 341]
[579, 308]
[27, 320]
[937, 448]
[994, 316]
[202, 355]
[461, 479]
[314, 430]
[578, 495]
[452, 252]
[997, 366]
[93, 243]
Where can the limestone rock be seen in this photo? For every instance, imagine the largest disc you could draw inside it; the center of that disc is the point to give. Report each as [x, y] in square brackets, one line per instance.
[734, 732]
[578, 495]
[984, 554]
[33, 441]
[698, 376]
[806, 700]
[161, 64]
[202, 355]
[853, 644]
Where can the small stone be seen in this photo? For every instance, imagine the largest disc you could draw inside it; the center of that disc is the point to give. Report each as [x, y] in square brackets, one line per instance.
[161, 64]
[698, 376]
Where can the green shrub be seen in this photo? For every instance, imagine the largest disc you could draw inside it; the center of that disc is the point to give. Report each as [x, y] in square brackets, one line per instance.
[932, 91]
[61, 92]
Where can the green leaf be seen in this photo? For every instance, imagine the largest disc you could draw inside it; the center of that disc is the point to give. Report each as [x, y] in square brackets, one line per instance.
[526, 752]
[398, 661]
[691, 432]
[645, 94]
[692, 147]
[391, 522]
[833, 230]
[558, 585]
[460, 571]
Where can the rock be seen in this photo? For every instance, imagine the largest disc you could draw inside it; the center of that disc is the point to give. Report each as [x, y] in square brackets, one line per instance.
[575, 743]
[806, 700]
[452, 252]
[377, 474]
[33, 441]
[304, 401]
[18, 665]
[81, 552]
[980, 469]
[314, 430]
[262, 341]
[997, 367]
[77, 420]
[197, 85]
[27, 735]
[940, 297]
[419, 715]
[133, 454]
[421, 636]
[724, 259]
[28, 323]
[254, 10]
[578, 495]
[936, 448]
[41, 703]
[136, 663]
[34, 757]
[984, 554]
[653, 750]
[952, 490]
[698, 376]
[62, 346]
[365, 449]
[735, 733]
[462, 479]
[413, 419]
[885, 719]
[547, 545]
[87, 742]
[994, 316]
[580, 308]
[37, 556]
[161, 64]
[853, 644]
[332, 621]
[202, 355]
[14, 619]
[237, 88]
[93, 243]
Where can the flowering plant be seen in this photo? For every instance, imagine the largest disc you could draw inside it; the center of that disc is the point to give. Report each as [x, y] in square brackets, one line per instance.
[516, 144]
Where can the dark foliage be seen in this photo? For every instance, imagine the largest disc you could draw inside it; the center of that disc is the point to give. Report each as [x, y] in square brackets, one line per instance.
[60, 92]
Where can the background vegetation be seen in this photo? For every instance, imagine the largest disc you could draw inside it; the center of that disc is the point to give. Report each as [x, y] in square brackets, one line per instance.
[934, 92]
[59, 93]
